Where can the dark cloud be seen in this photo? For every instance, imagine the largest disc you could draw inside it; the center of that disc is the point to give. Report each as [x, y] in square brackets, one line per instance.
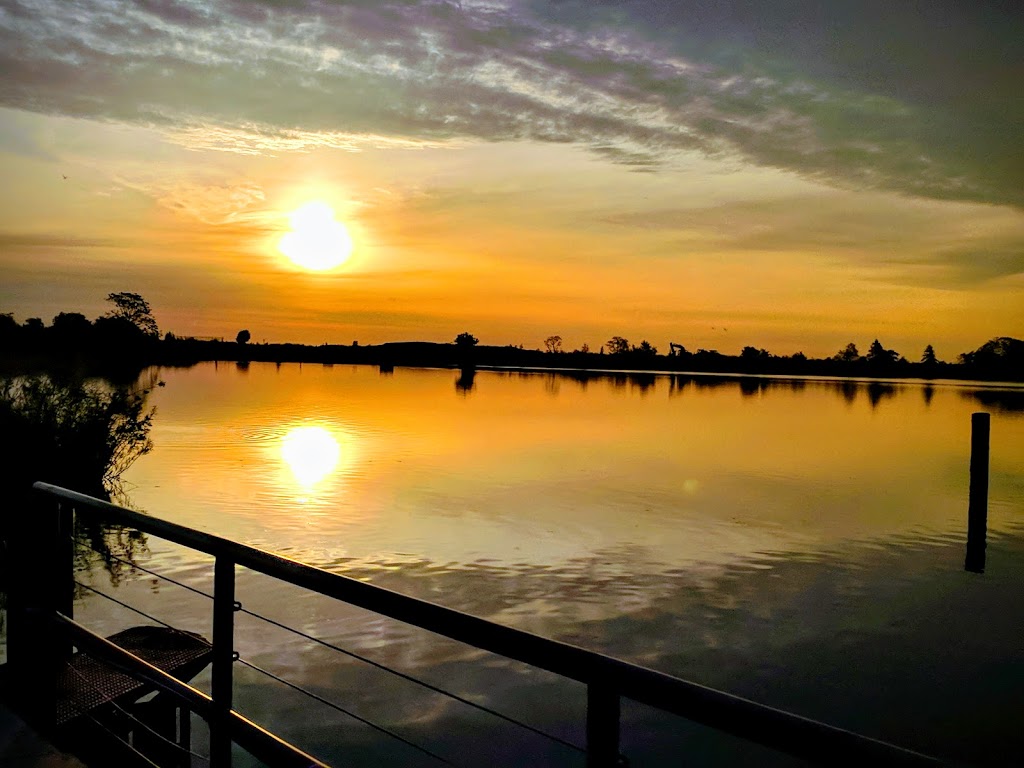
[919, 98]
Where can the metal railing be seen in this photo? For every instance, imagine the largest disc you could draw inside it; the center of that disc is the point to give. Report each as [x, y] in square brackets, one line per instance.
[608, 679]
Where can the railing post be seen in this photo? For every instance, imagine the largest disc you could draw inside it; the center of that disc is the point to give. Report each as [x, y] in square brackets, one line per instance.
[602, 727]
[977, 504]
[63, 584]
[222, 685]
[40, 582]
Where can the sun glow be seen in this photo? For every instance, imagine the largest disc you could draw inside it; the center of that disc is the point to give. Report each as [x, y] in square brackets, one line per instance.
[317, 241]
[311, 453]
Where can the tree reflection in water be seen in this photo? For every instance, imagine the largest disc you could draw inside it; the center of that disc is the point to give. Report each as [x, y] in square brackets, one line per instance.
[77, 433]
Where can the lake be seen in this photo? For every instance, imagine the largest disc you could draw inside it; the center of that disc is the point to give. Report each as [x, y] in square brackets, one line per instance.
[797, 542]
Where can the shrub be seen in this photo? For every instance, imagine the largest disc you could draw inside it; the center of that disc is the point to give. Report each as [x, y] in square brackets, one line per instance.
[78, 434]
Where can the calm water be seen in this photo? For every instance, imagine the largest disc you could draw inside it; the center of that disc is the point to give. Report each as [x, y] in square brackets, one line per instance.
[798, 543]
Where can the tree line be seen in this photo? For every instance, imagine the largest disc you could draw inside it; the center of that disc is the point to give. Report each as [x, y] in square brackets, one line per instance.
[128, 334]
[1001, 357]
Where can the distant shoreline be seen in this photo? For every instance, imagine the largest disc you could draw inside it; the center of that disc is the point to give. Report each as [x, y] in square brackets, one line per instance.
[125, 361]
[435, 355]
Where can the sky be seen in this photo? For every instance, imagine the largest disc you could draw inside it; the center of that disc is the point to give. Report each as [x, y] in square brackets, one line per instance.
[788, 174]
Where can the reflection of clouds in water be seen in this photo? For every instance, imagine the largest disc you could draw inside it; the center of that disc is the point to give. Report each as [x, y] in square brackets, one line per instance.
[831, 634]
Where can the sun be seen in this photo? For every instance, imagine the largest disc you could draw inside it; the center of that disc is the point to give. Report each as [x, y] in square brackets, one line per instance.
[317, 241]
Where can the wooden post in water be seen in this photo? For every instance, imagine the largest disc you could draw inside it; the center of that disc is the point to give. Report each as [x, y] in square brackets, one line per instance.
[977, 511]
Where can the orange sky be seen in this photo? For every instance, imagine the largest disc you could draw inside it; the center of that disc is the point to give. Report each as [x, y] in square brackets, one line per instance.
[500, 187]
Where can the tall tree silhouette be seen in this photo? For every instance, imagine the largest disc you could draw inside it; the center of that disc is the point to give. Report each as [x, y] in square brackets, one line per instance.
[134, 309]
[849, 353]
[1002, 356]
[617, 345]
[646, 349]
[879, 355]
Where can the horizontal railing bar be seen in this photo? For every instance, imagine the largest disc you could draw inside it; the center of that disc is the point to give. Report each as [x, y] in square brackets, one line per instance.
[784, 731]
[258, 741]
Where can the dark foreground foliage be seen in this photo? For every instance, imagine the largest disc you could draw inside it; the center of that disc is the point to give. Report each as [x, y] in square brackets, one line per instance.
[79, 434]
[74, 433]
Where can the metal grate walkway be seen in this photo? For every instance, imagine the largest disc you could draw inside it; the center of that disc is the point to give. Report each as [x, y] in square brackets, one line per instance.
[86, 683]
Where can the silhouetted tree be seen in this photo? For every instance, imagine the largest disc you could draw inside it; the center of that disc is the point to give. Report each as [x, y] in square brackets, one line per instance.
[466, 340]
[928, 356]
[753, 354]
[70, 329]
[708, 358]
[645, 349]
[135, 310]
[585, 349]
[71, 323]
[8, 326]
[848, 354]
[10, 333]
[117, 334]
[553, 344]
[879, 355]
[33, 334]
[243, 337]
[617, 345]
[1002, 356]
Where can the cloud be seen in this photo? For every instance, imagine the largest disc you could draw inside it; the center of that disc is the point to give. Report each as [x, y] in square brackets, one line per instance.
[890, 239]
[966, 264]
[214, 203]
[858, 95]
[259, 140]
[12, 240]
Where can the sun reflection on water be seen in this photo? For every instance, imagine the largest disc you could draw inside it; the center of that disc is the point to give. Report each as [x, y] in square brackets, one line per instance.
[311, 453]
